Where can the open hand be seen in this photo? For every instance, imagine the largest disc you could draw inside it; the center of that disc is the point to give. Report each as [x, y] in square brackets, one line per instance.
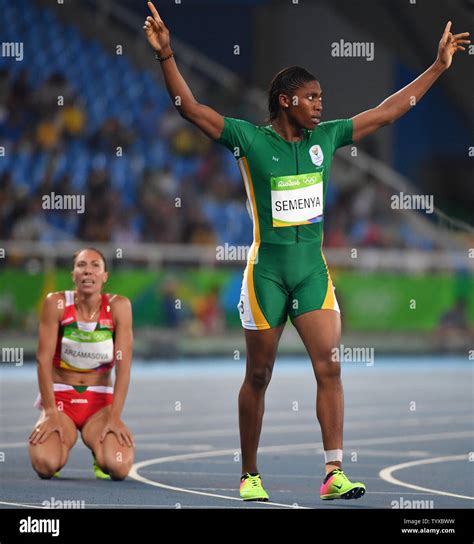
[119, 429]
[42, 431]
[449, 45]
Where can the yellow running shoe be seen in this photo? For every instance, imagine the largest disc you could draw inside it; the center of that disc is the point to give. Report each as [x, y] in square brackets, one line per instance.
[337, 485]
[99, 473]
[251, 488]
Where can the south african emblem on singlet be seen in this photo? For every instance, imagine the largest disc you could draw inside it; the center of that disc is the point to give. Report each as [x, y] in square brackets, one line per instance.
[317, 155]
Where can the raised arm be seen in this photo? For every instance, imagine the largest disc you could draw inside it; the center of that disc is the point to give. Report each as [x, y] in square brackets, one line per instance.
[204, 117]
[399, 103]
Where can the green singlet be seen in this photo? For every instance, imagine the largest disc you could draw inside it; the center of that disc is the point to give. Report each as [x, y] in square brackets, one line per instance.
[286, 183]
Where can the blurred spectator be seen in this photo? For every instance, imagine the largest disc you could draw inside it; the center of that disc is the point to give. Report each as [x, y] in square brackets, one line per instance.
[147, 122]
[98, 185]
[197, 230]
[32, 225]
[8, 201]
[171, 313]
[210, 313]
[48, 133]
[111, 136]
[4, 92]
[51, 93]
[73, 119]
[124, 229]
[14, 126]
[454, 330]
[335, 234]
[169, 122]
[20, 93]
[158, 183]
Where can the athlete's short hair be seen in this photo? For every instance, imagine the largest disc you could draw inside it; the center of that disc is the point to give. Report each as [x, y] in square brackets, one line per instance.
[89, 249]
[287, 81]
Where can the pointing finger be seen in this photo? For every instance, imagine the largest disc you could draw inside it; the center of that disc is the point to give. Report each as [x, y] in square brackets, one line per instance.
[445, 33]
[154, 12]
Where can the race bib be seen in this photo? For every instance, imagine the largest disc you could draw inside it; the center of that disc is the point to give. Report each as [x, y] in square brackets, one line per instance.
[86, 350]
[297, 200]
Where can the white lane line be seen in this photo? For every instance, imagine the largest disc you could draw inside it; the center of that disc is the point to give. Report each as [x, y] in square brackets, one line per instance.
[355, 442]
[147, 446]
[386, 474]
[146, 420]
[22, 505]
[23, 444]
[388, 440]
[137, 466]
[294, 428]
[273, 449]
[114, 506]
[134, 474]
[275, 425]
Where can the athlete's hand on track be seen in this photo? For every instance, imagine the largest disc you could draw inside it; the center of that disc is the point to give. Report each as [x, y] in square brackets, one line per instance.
[119, 429]
[50, 424]
[449, 45]
[156, 32]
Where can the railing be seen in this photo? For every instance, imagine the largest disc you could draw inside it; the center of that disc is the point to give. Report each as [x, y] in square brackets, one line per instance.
[153, 256]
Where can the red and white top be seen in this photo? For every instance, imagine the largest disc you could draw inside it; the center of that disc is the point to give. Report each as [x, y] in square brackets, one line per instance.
[85, 347]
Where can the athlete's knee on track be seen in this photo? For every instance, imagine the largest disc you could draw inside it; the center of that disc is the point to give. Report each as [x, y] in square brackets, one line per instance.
[327, 370]
[114, 460]
[259, 378]
[119, 473]
[45, 467]
[116, 468]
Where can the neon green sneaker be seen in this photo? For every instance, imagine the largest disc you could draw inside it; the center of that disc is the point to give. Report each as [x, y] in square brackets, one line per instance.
[337, 485]
[251, 488]
[57, 474]
[99, 473]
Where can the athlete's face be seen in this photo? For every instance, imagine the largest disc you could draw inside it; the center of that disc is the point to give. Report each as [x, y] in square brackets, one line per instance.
[89, 273]
[305, 106]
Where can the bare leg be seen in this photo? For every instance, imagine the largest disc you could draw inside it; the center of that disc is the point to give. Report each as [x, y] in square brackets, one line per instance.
[112, 458]
[261, 352]
[50, 456]
[320, 331]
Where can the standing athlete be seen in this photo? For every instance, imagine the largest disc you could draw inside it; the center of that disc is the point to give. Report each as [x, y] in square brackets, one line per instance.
[285, 167]
[83, 333]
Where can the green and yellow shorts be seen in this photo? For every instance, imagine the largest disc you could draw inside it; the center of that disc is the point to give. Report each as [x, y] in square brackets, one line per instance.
[284, 280]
